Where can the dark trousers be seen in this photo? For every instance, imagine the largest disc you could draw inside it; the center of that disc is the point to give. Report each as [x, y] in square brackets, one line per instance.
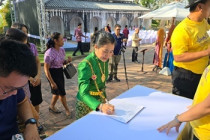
[126, 41]
[195, 138]
[79, 47]
[185, 82]
[135, 54]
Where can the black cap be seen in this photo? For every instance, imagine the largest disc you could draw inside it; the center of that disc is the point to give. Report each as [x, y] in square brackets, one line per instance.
[192, 2]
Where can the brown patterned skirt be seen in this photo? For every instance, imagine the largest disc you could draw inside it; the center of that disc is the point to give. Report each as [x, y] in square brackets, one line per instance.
[82, 109]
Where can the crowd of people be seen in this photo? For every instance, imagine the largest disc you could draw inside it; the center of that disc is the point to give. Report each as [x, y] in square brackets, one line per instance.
[20, 73]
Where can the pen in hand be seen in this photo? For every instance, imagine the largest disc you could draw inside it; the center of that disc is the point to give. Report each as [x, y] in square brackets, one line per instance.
[107, 102]
[110, 109]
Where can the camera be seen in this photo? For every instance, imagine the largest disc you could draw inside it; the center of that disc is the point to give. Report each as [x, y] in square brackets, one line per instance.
[17, 137]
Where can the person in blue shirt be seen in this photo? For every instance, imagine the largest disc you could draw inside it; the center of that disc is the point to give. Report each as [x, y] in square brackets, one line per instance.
[17, 64]
[115, 59]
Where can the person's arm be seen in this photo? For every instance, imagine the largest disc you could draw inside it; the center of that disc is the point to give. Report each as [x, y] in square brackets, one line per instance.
[37, 79]
[84, 76]
[81, 34]
[68, 60]
[124, 32]
[48, 75]
[25, 113]
[196, 112]
[200, 110]
[191, 56]
[38, 67]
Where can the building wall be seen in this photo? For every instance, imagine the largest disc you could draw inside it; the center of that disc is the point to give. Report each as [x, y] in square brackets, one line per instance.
[100, 19]
[66, 20]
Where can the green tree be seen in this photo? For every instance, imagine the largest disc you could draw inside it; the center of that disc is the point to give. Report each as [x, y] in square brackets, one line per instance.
[155, 4]
[8, 18]
[5, 16]
[147, 3]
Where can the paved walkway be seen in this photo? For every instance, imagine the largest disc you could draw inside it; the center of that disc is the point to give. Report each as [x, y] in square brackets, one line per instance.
[148, 78]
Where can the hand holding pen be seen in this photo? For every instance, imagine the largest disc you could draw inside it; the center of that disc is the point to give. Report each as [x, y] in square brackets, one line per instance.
[107, 108]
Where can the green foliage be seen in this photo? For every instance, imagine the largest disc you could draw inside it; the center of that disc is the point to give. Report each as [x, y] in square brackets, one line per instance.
[5, 16]
[155, 24]
[8, 18]
[154, 4]
[1, 24]
[147, 3]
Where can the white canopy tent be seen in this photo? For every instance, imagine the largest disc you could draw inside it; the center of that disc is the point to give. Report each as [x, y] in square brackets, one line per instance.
[167, 12]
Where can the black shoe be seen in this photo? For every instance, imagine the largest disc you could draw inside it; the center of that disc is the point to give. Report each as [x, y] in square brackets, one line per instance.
[40, 129]
[159, 68]
[155, 68]
[116, 79]
[109, 79]
[74, 55]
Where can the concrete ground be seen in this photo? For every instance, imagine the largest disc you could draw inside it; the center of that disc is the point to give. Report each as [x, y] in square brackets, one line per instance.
[148, 78]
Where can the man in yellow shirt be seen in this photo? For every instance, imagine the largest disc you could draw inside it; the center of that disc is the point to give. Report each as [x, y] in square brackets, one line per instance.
[198, 114]
[190, 46]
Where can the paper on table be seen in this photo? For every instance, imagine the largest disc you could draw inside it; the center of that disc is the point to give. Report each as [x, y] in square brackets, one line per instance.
[124, 112]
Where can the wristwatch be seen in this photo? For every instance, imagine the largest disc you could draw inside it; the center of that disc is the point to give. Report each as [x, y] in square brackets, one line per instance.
[31, 121]
[176, 119]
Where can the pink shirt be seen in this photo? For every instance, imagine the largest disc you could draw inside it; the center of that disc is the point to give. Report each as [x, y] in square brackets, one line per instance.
[33, 49]
[125, 32]
[55, 57]
[78, 34]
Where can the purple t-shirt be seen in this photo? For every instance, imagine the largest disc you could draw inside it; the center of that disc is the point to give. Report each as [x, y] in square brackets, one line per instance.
[55, 57]
[33, 49]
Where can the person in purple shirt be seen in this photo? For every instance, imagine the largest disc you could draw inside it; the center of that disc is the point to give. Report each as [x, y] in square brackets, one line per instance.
[33, 89]
[34, 82]
[17, 65]
[54, 59]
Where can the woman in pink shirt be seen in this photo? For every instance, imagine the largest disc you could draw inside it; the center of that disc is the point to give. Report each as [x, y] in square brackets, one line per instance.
[78, 34]
[54, 59]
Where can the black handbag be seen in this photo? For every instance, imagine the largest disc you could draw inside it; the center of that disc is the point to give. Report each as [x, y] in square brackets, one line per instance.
[69, 70]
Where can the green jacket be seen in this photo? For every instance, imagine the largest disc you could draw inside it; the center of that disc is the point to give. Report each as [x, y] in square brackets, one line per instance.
[86, 83]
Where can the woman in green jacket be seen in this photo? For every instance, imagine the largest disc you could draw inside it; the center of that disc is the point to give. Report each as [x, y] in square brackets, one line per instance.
[92, 75]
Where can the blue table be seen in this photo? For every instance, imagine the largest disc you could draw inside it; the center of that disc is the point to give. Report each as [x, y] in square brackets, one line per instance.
[159, 109]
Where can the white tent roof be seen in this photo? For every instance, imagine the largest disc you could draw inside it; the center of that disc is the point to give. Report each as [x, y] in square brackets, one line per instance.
[174, 9]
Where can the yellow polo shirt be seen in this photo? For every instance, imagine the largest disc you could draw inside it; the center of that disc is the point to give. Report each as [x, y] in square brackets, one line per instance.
[191, 36]
[201, 127]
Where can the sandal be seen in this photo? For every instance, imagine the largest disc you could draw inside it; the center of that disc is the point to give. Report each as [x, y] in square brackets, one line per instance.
[54, 111]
